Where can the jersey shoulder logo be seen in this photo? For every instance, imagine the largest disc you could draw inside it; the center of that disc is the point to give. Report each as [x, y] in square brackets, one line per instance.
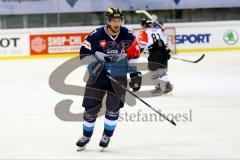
[103, 43]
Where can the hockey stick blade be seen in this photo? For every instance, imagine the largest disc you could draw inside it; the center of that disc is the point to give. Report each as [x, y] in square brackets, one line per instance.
[173, 123]
[185, 60]
[200, 59]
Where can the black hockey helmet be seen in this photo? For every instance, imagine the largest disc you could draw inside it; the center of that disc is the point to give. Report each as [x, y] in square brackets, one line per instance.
[113, 13]
[147, 22]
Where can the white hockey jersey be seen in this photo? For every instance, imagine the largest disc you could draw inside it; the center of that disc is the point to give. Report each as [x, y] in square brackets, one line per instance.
[148, 36]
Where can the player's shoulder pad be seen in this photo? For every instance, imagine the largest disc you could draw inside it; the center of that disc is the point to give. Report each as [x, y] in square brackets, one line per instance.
[126, 31]
[142, 36]
[96, 31]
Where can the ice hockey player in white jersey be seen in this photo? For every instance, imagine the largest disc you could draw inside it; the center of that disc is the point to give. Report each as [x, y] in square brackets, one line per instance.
[152, 39]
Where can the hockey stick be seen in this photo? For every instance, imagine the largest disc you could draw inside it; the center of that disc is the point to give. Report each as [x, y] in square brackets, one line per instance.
[144, 12]
[171, 121]
[152, 17]
[185, 60]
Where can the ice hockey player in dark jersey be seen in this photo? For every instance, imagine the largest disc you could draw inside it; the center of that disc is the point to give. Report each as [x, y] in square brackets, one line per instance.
[114, 51]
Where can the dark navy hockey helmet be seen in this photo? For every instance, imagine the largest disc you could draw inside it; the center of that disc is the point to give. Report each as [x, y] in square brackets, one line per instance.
[113, 13]
[146, 22]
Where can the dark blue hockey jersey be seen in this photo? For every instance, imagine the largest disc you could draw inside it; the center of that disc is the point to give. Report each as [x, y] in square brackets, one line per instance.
[99, 40]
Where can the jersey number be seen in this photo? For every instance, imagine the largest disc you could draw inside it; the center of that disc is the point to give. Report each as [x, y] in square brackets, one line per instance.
[155, 38]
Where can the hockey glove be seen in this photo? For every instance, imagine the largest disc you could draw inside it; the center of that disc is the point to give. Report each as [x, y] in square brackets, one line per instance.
[136, 81]
[103, 57]
[168, 53]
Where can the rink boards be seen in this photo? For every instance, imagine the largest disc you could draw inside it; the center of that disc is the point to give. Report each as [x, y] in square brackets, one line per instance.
[59, 42]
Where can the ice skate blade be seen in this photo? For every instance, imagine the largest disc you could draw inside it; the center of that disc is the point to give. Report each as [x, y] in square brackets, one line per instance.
[79, 149]
[168, 94]
[103, 149]
[156, 93]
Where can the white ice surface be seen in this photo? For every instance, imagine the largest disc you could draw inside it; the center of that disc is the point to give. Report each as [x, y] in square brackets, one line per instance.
[29, 129]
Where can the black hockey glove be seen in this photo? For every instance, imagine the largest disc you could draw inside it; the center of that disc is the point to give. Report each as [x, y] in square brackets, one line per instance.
[168, 55]
[105, 58]
[109, 59]
[136, 81]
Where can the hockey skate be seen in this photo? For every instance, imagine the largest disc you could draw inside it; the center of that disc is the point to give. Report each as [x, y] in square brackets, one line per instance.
[169, 88]
[157, 90]
[104, 142]
[82, 142]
